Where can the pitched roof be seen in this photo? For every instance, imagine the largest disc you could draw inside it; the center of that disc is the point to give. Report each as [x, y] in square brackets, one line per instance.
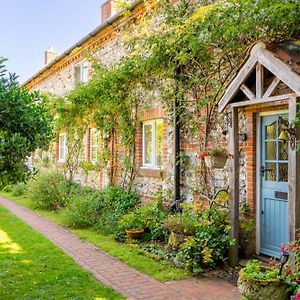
[283, 60]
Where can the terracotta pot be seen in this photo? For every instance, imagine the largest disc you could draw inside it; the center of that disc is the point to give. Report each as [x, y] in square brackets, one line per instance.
[215, 162]
[135, 234]
[262, 290]
[175, 240]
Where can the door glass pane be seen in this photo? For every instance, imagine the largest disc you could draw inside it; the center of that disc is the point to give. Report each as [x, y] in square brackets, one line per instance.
[159, 144]
[283, 172]
[270, 173]
[94, 153]
[283, 150]
[271, 131]
[148, 143]
[270, 150]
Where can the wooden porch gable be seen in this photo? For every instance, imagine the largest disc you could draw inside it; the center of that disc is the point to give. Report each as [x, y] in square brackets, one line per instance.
[260, 60]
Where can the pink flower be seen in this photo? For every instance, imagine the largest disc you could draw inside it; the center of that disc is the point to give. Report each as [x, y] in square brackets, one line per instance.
[297, 296]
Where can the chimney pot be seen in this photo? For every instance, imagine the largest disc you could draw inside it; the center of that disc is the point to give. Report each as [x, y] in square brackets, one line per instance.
[108, 9]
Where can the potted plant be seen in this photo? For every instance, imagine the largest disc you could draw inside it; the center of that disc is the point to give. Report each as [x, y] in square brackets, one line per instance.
[180, 227]
[134, 224]
[215, 158]
[257, 282]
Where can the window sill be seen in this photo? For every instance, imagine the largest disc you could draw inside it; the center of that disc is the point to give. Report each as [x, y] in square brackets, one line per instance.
[154, 172]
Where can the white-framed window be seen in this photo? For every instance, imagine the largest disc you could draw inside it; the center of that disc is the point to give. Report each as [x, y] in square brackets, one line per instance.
[94, 144]
[81, 73]
[62, 147]
[153, 143]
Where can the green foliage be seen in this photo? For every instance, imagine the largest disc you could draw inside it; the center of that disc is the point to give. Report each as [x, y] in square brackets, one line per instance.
[25, 125]
[100, 209]
[208, 247]
[132, 221]
[154, 214]
[181, 223]
[19, 189]
[51, 191]
[150, 216]
[255, 271]
[206, 43]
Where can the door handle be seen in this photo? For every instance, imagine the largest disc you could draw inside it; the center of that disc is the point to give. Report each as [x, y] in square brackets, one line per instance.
[263, 170]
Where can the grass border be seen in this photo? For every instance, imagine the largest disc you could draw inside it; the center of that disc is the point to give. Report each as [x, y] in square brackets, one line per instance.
[130, 255]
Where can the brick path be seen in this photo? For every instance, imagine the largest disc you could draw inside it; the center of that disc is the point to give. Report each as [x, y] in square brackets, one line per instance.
[111, 272]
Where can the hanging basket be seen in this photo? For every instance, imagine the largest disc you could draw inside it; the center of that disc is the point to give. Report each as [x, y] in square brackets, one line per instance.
[215, 162]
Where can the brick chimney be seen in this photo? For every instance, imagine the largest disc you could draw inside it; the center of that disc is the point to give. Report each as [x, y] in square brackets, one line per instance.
[50, 55]
[108, 9]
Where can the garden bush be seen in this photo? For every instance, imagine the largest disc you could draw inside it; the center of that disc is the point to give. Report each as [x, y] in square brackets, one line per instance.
[51, 191]
[208, 247]
[19, 189]
[100, 209]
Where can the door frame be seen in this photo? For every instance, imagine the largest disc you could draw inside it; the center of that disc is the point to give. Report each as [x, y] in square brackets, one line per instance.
[258, 164]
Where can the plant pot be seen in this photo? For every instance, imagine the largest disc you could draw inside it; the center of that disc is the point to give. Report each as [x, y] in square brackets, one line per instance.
[135, 234]
[272, 289]
[176, 240]
[215, 162]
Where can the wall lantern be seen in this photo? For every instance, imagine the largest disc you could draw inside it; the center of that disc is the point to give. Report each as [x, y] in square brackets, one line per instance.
[288, 132]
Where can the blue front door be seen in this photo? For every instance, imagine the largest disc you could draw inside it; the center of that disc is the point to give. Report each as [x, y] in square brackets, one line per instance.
[274, 186]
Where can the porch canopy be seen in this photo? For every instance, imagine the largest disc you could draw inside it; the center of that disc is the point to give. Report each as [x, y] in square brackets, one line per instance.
[270, 74]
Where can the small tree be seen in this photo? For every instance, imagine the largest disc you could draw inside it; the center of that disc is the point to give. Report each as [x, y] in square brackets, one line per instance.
[25, 125]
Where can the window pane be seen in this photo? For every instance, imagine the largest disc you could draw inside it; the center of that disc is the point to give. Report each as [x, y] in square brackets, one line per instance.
[270, 174]
[77, 74]
[159, 142]
[270, 150]
[283, 172]
[62, 147]
[94, 153]
[85, 74]
[94, 138]
[148, 144]
[271, 131]
[283, 150]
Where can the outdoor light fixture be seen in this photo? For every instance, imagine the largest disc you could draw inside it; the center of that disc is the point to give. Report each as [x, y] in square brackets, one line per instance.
[288, 132]
[283, 260]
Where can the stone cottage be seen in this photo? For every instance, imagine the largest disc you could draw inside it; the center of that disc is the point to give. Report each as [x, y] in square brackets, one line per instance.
[259, 105]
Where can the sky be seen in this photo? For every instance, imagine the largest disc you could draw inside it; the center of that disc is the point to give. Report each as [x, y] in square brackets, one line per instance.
[28, 27]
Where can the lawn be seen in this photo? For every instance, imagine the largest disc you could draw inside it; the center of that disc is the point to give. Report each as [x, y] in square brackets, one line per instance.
[133, 257]
[32, 267]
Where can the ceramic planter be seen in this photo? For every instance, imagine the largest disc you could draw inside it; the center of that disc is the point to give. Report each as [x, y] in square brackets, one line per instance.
[215, 162]
[135, 234]
[251, 289]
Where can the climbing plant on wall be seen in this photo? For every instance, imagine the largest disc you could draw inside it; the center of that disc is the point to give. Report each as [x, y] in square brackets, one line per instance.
[207, 41]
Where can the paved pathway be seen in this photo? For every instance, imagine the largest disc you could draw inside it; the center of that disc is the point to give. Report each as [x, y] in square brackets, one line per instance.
[111, 272]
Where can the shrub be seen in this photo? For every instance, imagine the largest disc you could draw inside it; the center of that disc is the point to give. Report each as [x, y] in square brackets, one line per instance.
[208, 247]
[78, 212]
[8, 188]
[101, 209]
[19, 189]
[51, 191]
[181, 223]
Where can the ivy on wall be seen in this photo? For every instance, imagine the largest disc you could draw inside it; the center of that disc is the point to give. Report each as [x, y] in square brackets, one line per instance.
[208, 41]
